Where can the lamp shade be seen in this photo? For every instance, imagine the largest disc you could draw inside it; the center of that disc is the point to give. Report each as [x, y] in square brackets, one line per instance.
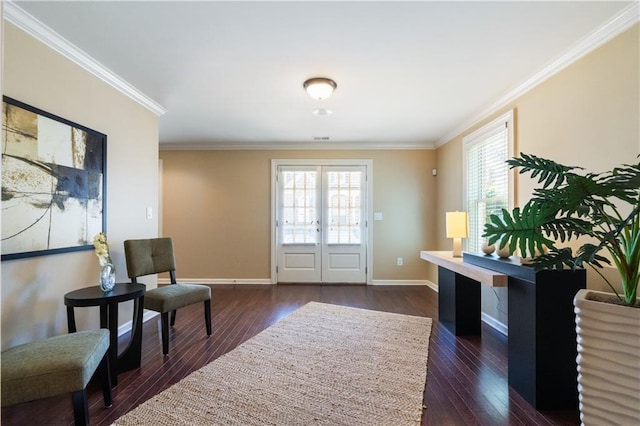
[320, 88]
[457, 225]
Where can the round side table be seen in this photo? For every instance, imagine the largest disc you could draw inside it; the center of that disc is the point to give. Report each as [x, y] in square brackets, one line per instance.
[108, 302]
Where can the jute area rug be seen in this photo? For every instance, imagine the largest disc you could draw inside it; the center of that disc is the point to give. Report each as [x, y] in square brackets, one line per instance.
[322, 365]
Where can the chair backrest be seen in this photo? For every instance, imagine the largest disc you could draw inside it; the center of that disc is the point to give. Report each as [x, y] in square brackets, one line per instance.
[149, 256]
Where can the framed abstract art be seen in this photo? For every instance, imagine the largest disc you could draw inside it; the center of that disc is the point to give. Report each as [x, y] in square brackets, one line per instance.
[53, 183]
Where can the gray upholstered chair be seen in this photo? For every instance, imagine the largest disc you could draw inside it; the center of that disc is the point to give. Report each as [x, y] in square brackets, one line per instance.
[155, 256]
[57, 365]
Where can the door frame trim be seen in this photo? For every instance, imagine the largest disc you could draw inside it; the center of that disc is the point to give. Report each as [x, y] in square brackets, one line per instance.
[368, 165]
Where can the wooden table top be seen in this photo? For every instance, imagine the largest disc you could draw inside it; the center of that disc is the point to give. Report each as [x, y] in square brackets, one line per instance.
[456, 264]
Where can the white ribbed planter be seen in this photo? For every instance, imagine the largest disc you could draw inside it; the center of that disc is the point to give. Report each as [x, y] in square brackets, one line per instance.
[608, 361]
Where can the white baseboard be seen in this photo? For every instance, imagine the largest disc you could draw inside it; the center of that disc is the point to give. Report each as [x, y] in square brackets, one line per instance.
[399, 282]
[486, 318]
[214, 281]
[494, 323]
[126, 327]
[267, 281]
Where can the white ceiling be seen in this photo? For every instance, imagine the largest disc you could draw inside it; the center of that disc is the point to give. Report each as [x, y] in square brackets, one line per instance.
[409, 74]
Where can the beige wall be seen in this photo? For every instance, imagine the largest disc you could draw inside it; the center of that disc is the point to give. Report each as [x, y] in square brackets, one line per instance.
[586, 115]
[33, 289]
[216, 206]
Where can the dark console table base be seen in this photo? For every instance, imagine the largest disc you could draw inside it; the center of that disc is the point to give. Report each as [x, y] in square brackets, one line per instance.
[542, 334]
[458, 303]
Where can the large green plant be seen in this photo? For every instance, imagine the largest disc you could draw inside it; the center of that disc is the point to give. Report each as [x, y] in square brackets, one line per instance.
[571, 205]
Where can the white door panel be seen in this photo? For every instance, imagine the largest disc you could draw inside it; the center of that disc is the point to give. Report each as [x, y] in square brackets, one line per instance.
[343, 261]
[343, 268]
[300, 261]
[300, 264]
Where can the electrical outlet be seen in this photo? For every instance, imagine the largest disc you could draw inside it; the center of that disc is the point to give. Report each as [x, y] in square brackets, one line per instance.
[400, 261]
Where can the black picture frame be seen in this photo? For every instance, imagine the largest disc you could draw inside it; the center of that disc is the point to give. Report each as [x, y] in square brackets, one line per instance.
[54, 183]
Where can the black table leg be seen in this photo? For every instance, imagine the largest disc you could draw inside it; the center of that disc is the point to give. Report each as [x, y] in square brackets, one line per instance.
[132, 355]
[104, 316]
[113, 341]
[458, 303]
[71, 320]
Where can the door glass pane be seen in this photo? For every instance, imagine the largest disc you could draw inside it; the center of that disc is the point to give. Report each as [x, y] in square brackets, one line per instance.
[299, 206]
[344, 209]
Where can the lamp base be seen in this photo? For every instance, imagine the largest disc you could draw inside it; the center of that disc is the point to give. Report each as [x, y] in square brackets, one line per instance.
[457, 247]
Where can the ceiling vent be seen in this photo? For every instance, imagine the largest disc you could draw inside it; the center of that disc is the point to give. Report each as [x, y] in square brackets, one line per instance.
[322, 112]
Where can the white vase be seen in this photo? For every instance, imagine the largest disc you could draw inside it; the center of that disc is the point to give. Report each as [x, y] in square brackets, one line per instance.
[488, 249]
[608, 338]
[504, 252]
[107, 277]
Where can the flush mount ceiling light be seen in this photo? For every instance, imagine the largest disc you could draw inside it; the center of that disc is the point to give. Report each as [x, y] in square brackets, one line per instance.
[319, 88]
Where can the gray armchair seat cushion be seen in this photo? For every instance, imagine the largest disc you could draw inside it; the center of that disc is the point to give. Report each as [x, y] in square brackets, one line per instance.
[171, 297]
[53, 366]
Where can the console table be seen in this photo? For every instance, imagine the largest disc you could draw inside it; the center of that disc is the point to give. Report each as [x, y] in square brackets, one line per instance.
[542, 331]
[459, 291]
[542, 338]
[108, 303]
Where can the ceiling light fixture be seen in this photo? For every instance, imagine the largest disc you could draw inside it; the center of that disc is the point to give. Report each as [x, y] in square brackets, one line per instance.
[320, 88]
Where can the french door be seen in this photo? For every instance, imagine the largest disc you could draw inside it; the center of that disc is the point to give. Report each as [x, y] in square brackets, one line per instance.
[320, 223]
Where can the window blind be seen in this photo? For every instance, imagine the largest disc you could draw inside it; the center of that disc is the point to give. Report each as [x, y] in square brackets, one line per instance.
[487, 179]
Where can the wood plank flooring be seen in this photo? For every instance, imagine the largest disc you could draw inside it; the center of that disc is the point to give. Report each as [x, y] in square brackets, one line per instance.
[466, 380]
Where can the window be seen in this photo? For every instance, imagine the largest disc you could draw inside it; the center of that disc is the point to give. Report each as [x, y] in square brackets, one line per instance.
[488, 180]
[299, 217]
[344, 209]
[300, 210]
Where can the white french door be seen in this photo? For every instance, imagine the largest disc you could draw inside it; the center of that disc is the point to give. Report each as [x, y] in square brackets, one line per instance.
[320, 225]
[298, 224]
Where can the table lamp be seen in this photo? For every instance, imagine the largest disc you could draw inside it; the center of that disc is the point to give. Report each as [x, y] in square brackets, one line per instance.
[457, 229]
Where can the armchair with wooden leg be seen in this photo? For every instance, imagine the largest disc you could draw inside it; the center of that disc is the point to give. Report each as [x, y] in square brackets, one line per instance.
[154, 256]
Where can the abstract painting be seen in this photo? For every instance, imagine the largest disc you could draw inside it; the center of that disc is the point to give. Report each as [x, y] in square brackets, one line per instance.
[53, 183]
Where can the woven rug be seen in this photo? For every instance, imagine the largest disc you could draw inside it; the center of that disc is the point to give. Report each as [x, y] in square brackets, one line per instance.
[322, 365]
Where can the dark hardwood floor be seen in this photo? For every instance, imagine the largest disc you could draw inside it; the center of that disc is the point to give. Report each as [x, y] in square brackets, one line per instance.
[466, 379]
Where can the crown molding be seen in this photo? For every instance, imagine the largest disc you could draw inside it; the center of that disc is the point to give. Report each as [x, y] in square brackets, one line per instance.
[29, 24]
[274, 146]
[615, 26]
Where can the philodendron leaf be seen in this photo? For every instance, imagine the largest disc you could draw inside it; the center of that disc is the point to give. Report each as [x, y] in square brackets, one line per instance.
[521, 229]
[555, 259]
[624, 182]
[548, 172]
